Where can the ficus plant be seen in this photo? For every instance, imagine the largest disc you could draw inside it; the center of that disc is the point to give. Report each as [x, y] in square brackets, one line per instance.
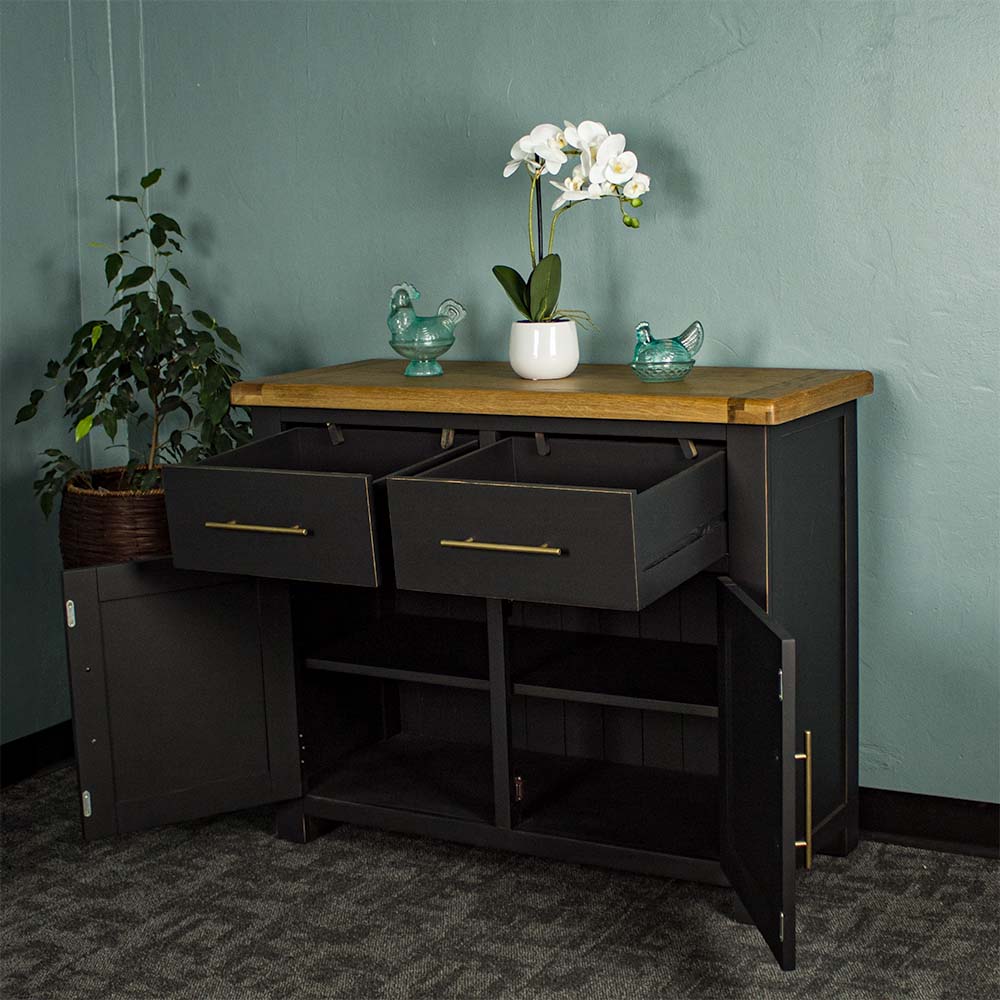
[604, 168]
[153, 372]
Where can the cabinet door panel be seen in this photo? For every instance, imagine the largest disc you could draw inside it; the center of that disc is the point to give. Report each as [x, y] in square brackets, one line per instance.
[183, 704]
[757, 765]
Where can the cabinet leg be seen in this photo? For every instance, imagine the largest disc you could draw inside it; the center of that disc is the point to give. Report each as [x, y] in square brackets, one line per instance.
[740, 914]
[292, 823]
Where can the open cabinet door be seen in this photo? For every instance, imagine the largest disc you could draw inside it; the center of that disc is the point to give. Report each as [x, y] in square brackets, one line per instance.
[757, 765]
[183, 694]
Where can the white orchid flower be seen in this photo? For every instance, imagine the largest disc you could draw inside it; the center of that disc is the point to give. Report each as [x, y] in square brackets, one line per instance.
[571, 189]
[547, 143]
[521, 152]
[614, 163]
[587, 136]
[637, 186]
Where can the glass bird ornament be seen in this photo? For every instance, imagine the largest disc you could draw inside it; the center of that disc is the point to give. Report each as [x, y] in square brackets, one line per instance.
[421, 339]
[666, 360]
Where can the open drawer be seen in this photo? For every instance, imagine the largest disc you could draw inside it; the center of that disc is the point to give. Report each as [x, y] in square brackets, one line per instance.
[597, 523]
[301, 505]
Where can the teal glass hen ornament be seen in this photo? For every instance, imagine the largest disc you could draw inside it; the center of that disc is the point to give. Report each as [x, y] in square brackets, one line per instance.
[422, 339]
[666, 360]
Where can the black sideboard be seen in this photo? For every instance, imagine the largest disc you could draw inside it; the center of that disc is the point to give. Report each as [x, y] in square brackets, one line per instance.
[593, 620]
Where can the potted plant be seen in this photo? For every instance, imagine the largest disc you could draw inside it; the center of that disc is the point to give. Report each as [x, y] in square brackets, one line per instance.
[152, 378]
[544, 344]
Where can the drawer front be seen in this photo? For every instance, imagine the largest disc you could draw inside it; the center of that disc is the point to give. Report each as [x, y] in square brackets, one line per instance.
[283, 524]
[592, 529]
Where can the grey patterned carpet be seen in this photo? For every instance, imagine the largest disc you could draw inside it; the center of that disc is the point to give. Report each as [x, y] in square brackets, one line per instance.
[220, 909]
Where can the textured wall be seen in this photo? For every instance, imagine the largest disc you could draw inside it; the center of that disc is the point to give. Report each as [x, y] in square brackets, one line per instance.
[825, 194]
[39, 302]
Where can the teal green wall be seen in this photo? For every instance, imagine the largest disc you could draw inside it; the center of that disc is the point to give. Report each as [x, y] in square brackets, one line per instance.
[825, 195]
[39, 301]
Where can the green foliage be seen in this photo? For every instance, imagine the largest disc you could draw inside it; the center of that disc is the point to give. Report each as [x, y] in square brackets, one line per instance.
[150, 367]
[538, 298]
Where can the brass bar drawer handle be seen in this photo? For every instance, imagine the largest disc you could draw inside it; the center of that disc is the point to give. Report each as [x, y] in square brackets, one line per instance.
[471, 543]
[265, 529]
[807, 757]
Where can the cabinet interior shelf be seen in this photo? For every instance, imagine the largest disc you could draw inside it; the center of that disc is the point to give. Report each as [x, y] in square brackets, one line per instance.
[647, 674]
[646, 808]
[415, 774]
[446, 651]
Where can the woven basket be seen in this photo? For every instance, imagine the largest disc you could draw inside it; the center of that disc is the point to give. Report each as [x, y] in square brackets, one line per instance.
[106, 524]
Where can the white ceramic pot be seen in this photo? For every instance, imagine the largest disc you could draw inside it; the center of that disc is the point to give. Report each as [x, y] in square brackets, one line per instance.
[544, 350]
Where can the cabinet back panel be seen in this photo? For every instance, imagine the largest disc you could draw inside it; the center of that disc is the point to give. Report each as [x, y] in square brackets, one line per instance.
[688, 743]
[456, 715]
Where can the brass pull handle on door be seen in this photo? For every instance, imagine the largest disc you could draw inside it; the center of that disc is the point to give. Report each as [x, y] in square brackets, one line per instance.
[471, 543]
[808, 758]
[265, 529]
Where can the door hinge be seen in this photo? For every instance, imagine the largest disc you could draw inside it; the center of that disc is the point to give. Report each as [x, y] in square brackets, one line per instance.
[88, 806]
[781, 685]
[70, 614]
[518, 788]
[447, 437]
[781, 927]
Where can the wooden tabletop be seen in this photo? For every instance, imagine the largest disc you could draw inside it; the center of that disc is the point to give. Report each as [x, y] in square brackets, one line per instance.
[608, 392]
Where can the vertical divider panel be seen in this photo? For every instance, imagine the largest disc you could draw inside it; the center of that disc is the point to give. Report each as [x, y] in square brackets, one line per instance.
[501, 688]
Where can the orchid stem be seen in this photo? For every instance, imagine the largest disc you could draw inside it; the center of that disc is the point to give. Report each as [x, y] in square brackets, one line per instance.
[538, 217]
[531, 228]
[552, 227]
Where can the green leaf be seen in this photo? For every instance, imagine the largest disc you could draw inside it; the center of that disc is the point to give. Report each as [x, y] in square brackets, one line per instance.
[109, 423]
[52, 369]
[25, 413]
[95, 334]
[513, 284]
[543, 287]
[203, 318]
[165, 294]
[157, 236]
[46, 500]
[112, 265]
[179, 276]
[132, 235]
[139, 372]
[151, 178]
[122, 197]
[228, 338]
[36, 396]
[170, 225]
[83, 427]
[74, 386]
[138, 277]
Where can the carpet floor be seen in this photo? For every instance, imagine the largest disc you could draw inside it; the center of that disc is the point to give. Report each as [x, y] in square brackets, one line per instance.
[220, 909]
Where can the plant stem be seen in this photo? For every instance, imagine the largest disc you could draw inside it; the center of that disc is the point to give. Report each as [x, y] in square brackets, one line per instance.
[538, 217]
[531, 228]
[155, 444]
[552, 228]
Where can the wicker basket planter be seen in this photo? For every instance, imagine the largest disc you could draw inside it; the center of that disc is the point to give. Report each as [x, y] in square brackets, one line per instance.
[102, 523]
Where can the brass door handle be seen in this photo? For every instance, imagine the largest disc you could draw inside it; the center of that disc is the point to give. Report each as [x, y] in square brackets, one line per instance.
[266, 529]
[471, 543]
[808, 758]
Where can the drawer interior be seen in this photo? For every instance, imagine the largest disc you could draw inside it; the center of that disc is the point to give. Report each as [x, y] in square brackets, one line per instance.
[597, 463]
[373, 451]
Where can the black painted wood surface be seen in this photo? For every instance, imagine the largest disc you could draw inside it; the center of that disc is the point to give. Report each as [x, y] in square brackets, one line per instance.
[757, 766]
[179, 708]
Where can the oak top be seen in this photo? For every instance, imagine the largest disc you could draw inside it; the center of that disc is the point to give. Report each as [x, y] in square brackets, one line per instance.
[608, 392]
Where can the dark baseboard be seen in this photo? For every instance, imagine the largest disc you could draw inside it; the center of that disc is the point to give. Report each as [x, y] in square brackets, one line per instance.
[20, 759]
[931, 822]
